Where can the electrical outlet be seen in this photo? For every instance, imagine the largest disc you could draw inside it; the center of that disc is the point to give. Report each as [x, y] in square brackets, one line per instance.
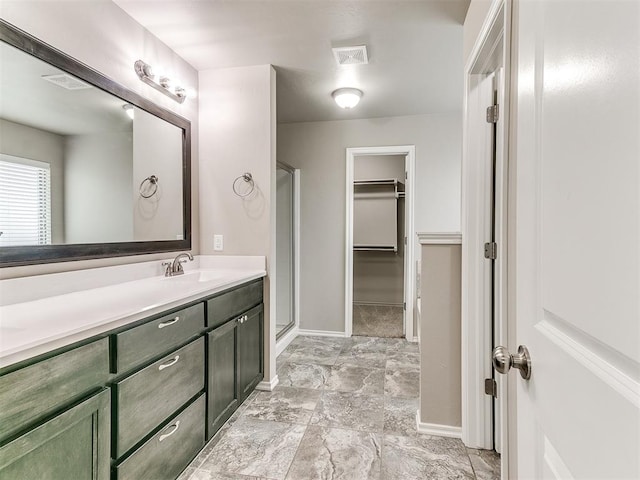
[218, 243]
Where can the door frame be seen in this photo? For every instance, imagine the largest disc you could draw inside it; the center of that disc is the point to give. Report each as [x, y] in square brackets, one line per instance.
[409, 271]
[491, 51]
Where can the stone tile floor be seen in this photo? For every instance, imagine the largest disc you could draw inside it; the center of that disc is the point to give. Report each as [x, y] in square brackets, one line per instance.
[344, 409]
[378, 320]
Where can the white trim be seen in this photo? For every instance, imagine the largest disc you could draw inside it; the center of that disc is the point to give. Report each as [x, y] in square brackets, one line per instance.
[320, 333]
[439, 238]
[437, 430]
[409, 266]
[483, 35]
[296, 248]
[285, 340]
[268, 386]
[485, 59]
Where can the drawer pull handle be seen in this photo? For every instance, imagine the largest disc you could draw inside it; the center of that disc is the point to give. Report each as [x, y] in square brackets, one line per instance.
[175, 426]
[170, 363]
[168, 322]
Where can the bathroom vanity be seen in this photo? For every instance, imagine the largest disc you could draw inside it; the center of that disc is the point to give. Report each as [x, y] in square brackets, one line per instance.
[140, 394]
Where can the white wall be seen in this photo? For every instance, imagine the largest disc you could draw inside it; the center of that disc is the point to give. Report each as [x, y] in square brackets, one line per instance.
[237, 128]
[318, 149]
[97, 189]
[101, 35]
[28, 142]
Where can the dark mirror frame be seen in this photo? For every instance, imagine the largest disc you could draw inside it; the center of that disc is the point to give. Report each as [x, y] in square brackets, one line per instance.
[37, 254]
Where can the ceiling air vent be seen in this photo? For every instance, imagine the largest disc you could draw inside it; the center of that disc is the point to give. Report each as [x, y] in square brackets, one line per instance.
[67, 81]
[351, 55]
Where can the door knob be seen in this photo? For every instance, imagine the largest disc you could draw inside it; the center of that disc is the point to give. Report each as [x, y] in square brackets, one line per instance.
[502, 361]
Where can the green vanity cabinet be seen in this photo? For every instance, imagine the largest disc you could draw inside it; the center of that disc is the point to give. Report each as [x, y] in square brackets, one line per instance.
[170, 450]
[151, 395]
[250, 348]
[72, 445]
[30, 394]
[222, 391]
[234, 302]
[137, 402]
[235, 365]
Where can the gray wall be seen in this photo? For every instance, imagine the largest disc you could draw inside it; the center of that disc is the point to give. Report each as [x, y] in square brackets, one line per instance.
[238, 131]
[378, 277]
[28, 142]
[101, 35]
[440, 334]
[318, 149]
[156, 146]
[98, 206]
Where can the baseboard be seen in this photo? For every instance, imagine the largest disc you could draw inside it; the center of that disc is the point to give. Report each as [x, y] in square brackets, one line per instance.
[284, 341]
[436, 429]
[268, 386]
[413, 340]
[320, 333]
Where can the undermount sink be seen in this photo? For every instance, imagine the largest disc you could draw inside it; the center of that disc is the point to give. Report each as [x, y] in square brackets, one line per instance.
[200, 276]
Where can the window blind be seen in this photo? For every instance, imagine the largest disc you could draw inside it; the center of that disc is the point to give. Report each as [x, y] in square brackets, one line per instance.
[25, 202]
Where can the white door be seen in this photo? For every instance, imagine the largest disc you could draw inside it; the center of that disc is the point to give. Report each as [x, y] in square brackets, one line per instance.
[574, 240]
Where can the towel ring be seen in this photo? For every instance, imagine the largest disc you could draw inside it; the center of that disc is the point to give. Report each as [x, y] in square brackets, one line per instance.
[152, 186]
[247, 179]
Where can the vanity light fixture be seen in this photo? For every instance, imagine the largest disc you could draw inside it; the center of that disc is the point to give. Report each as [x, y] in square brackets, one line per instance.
[128, 108]
[347, 97]
[162, 83]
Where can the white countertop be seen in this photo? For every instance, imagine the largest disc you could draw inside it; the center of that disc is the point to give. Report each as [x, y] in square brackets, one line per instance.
[46, 322]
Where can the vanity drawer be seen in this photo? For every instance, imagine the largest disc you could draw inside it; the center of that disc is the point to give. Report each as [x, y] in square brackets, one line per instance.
[144, 342]
[170, 450]
[229, 304]
[31, 393]
[148, 397]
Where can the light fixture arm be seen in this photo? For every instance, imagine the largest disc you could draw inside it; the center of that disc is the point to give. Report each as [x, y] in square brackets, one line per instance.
[145, 73]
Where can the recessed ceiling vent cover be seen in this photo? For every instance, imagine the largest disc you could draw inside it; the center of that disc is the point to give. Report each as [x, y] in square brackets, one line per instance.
[65, 80]
[351, 55]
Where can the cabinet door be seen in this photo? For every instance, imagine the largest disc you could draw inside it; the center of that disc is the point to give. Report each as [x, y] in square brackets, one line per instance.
[72, 445]
[222, 389]
[250, 347]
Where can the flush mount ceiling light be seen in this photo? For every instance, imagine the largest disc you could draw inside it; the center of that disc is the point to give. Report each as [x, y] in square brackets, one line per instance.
[128, 108]
[162, 83]
[347, 97]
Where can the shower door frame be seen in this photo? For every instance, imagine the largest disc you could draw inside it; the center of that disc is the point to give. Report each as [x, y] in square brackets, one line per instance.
[284, 338]
[409, 266]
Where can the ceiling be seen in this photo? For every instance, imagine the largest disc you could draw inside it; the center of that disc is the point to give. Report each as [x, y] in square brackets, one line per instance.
[415, 49]
[40, 104]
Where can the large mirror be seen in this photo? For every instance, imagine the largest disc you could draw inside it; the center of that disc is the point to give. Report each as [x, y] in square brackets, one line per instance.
[88, 168]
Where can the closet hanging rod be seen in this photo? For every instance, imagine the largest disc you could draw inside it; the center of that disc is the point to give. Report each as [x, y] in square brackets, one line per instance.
[375, 248]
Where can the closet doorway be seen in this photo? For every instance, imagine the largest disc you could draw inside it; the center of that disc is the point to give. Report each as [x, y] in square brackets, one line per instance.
[287, 241]
[379, 245]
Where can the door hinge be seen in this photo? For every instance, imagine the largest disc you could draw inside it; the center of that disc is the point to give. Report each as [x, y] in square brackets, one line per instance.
[492, 114]
[405, 240]
[404, 305]
[406, 175]
[491, 250]
[490, 387]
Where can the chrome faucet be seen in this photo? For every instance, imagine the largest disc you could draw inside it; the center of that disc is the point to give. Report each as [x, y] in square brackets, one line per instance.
[175, 267]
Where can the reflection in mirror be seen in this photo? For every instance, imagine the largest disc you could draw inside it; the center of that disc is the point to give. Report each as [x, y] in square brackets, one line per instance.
[73, 160]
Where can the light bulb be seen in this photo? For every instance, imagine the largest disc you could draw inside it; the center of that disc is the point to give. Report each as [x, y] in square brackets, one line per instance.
[347, 97]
